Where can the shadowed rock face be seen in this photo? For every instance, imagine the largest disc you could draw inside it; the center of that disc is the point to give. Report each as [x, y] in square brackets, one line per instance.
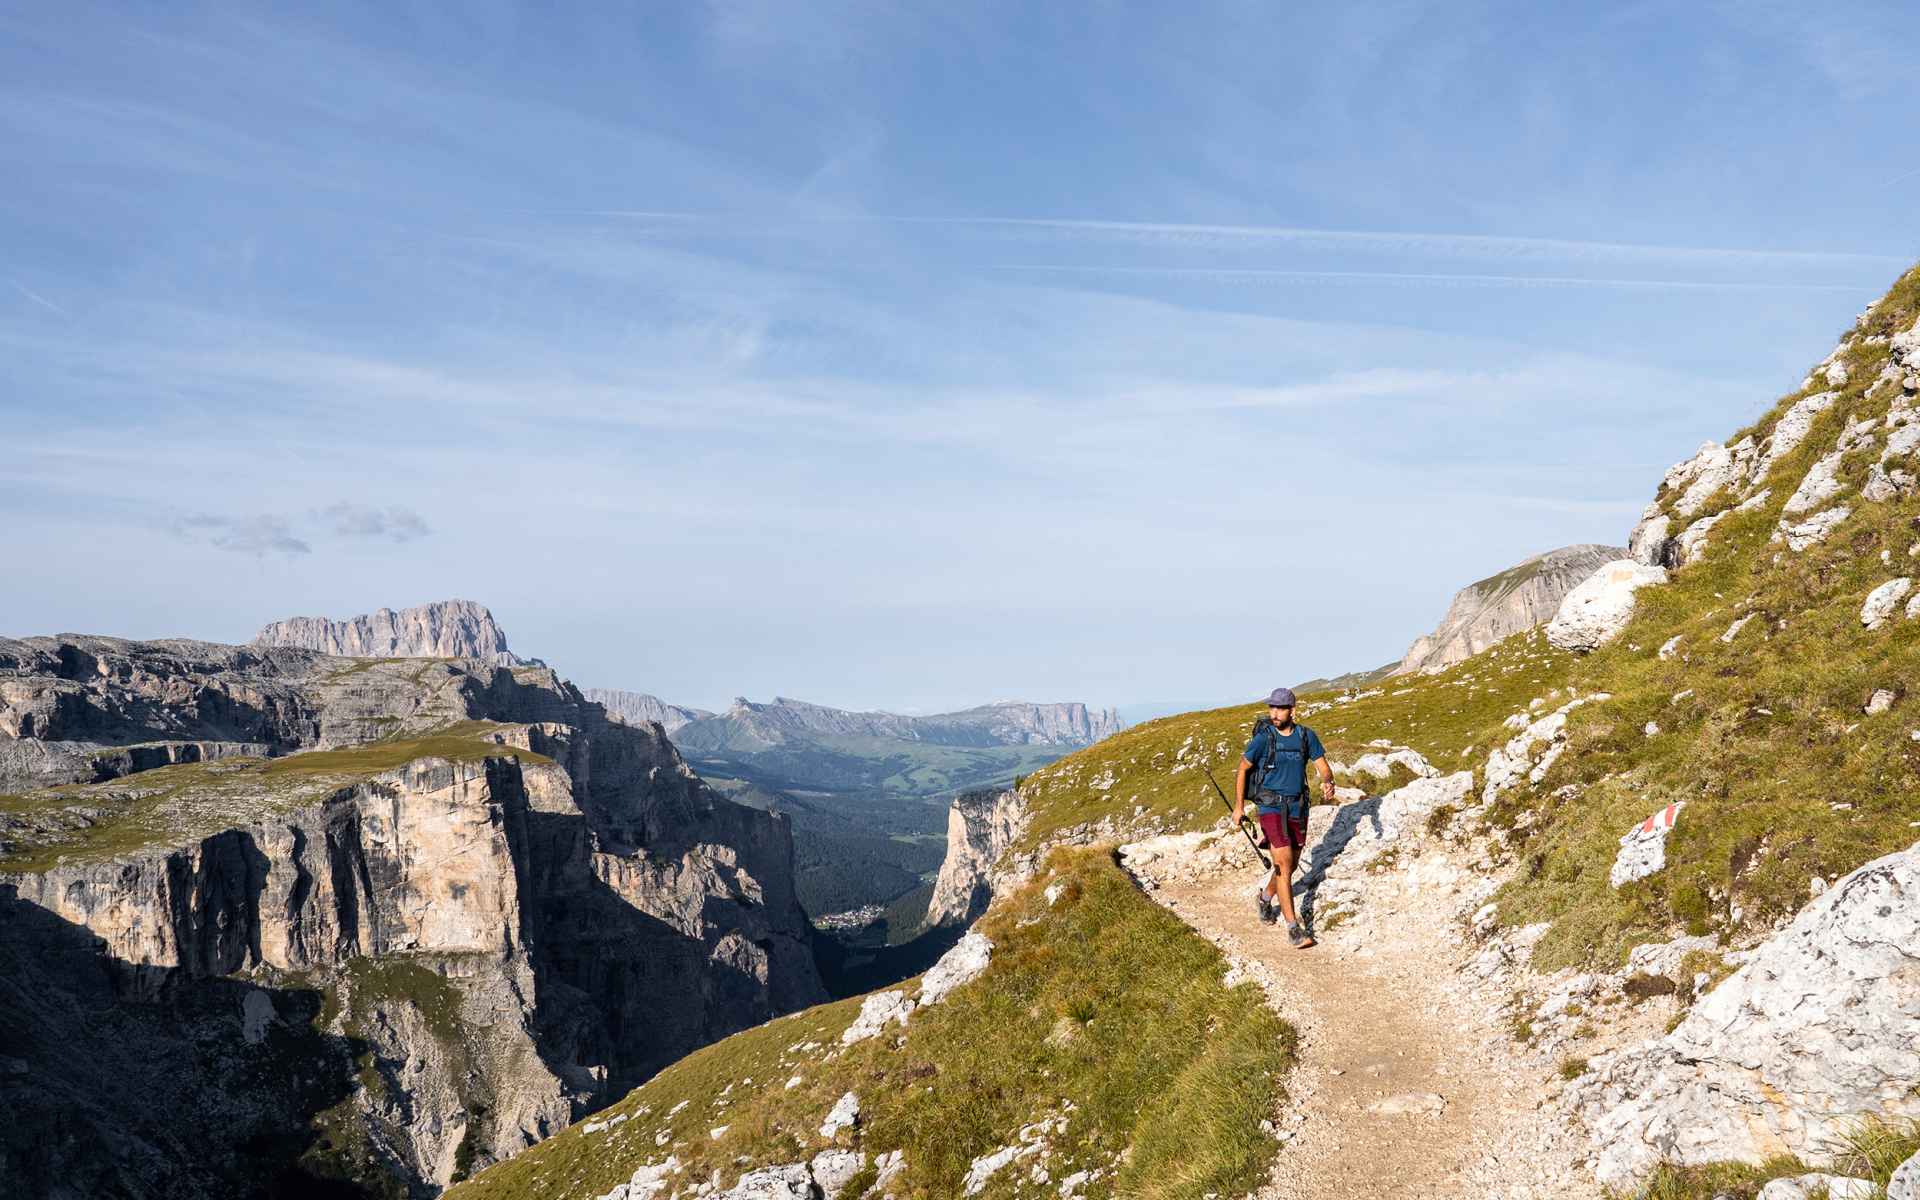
[1496, 608]
[490, 943]
[443, 629]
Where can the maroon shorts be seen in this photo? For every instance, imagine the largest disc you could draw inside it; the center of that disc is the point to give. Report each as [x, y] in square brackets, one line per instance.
[1281, 831]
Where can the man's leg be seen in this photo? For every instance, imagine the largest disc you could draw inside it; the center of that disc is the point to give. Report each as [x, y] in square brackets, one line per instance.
[1280, 884]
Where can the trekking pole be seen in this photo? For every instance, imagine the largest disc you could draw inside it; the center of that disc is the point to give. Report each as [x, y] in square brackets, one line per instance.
[1221, 792]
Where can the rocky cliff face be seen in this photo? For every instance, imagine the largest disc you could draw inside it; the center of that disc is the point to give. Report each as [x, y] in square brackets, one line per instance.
[1493, 609]
[980, 827]
[424, 915]
[1011, 723]
[443, 629]
[637, 708]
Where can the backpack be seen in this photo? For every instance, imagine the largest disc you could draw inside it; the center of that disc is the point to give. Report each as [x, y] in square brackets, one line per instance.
[1271, 757]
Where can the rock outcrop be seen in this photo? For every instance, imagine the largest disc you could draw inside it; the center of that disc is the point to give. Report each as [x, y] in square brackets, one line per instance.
[1595, 612]
[1514, 601]
[980, 827]
[637, 708]
[443, 629]
[1819, 1028]
[410, 918]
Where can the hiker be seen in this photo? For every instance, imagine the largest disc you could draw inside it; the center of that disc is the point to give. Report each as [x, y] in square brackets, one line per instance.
[1273, 771]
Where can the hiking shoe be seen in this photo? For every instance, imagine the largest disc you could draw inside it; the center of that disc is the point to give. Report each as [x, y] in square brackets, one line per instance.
[1265, 906]
[1298, 936]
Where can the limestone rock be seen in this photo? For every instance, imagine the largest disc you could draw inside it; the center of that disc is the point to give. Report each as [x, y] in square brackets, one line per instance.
[1650, 539]
[1496, 608]
[1811, 532]
[962, 964]
[580, 918]
[845, 1114]
[980, 827]
[443, 629]
[790, 1181]
[1595, 612]
[1380, 764]
[1792, 429]
[1531, 752]
[833, 1170]
[1643, 850]
[1881, 701]
[1881, 602]
[1805, 1187]
[1905, 1183]
[876, 1013]
[1819, 1026]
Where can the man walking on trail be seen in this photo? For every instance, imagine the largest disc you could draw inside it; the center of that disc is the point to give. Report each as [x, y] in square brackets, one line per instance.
[1273, 770]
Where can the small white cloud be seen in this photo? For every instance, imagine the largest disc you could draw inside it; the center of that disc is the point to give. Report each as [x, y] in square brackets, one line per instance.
[257, 535]
[392, 523]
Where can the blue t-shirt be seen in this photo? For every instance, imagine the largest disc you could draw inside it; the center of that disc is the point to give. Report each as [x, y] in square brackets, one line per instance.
[1293, 750]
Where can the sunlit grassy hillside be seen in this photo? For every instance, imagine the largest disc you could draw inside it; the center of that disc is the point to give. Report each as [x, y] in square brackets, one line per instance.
[1098, 1007]
[1762, 729]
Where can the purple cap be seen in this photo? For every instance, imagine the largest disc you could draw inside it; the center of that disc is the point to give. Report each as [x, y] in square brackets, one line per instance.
[1281, 698]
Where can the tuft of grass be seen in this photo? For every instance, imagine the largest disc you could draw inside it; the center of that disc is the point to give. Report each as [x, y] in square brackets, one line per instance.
[1164, 1081]
[1870, 1149]
[1572, 1067]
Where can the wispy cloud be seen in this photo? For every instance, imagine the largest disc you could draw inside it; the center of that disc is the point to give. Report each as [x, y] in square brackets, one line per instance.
[258, 535]
[1186, 234]
[394, 524]
[37, 298]
[1464, 279]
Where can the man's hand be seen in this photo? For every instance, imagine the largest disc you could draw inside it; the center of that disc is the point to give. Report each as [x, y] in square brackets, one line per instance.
[1240, 812]
[1326, 790]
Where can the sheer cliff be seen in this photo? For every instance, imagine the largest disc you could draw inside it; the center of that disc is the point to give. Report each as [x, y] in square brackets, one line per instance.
[398, 919]
[443, 629]
[1491, 610]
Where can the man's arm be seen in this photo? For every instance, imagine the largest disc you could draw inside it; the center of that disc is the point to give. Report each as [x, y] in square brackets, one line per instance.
[1240, 792]
[1326, 778]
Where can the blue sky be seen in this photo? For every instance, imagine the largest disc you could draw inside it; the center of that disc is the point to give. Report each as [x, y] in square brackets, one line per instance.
[902, 355]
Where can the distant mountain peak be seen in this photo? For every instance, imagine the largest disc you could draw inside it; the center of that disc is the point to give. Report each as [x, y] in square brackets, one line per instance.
[442, 629]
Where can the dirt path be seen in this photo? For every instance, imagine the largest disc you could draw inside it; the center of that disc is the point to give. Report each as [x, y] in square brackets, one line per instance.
[1407, 1085]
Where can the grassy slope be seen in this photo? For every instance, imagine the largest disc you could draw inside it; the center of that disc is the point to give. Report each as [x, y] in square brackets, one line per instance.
[1787, 778]
[176, 805]
[1102, 999]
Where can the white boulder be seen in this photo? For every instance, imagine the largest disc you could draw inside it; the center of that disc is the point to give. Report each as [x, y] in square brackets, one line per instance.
[833, 1170]
[1595, 612]
[1380, 765]
[790, 1181]
[1804, 1187]
[844, 1114]
[959, 965]
[1882, 600]
[1820, 1026]
[876, 1013]
[1650, 538]
[1811, 532]
[1643, 849]
[1881, 700]
[1529, 753]
[1905, 1184]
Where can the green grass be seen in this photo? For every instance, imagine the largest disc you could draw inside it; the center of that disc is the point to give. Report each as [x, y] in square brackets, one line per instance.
[179, 804]
[1102, 1000]
[1870, 1149]
[464, 742]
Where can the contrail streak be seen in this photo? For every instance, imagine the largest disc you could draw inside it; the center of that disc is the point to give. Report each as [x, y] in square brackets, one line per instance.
[37, 298]
[1425, 277]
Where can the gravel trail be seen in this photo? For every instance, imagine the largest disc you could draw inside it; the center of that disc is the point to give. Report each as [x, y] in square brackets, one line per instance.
[1408, 1085]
